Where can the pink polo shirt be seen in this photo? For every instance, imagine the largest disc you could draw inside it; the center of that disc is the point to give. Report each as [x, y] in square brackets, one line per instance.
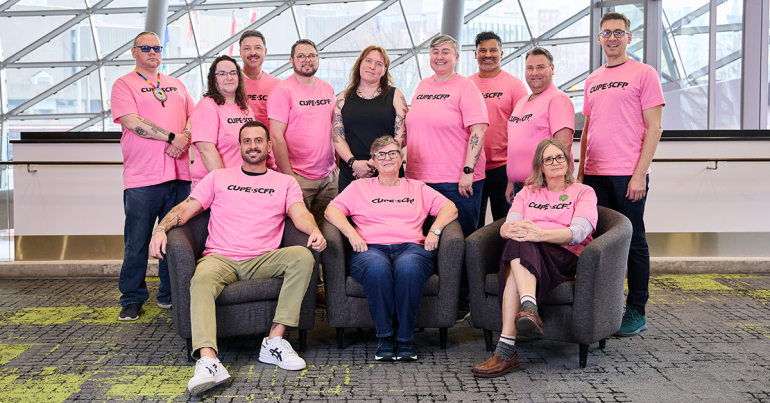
[145, 162]
[219, 125]
[258, 91]
[614, 99]
[307, 111]
[247, 212]
[437, 130]
[555, 210]
[532, 122]
[501, 93]
[387, 216]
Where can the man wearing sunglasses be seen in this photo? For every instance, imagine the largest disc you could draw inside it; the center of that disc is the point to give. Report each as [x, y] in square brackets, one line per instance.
[623, 106]
[154, 111]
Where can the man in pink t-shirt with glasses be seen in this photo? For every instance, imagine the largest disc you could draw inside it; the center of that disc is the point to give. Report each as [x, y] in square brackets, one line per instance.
[623, 106]
[154, 111]
[501, 92]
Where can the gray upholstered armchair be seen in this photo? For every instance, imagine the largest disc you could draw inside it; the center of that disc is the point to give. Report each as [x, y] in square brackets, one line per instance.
[244, 307]
[346, 304]
[583, 311]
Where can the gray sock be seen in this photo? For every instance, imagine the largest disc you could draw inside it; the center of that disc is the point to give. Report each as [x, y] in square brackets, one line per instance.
[529, 306]
[505, 350]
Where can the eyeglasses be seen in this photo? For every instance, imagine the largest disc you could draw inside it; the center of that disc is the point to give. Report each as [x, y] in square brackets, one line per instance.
[146, 49]
[226, 73]
[618, 33]
[557, 159]
[302, 58]
[392, 154]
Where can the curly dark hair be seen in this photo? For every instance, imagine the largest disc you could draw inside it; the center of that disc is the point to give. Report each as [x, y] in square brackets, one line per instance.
[241, 98]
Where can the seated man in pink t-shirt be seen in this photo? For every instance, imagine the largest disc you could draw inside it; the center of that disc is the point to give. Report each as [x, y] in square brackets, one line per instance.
[248, 205]
[390, 256]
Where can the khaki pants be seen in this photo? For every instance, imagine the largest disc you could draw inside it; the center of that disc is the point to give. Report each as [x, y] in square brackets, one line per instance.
[214, 272]
[318, 193]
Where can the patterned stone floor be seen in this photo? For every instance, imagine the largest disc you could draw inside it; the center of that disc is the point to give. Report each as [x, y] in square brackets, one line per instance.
[709, 340]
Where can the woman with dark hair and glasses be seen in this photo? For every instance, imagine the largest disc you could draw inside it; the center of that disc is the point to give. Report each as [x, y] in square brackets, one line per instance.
[390, 256]
[369, 108]
[550, 222]
[217, 119]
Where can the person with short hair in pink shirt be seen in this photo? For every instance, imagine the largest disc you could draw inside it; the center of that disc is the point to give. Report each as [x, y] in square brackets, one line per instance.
[623, 106]
[249, 205]
[546, 113]
[550, 222]
[217, 119]
[259, 83]
[153, 110]
[501, 92]
[300, 111]
[390, 256]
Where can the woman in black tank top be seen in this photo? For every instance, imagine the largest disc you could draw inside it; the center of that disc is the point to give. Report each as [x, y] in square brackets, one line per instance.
[369, 108]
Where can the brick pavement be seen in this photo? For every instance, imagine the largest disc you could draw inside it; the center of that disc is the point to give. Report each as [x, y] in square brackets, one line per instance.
[709, 340]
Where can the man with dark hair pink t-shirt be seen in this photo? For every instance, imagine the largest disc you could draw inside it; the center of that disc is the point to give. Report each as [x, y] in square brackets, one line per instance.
[154, 111]
[501, 92]
[623, 106]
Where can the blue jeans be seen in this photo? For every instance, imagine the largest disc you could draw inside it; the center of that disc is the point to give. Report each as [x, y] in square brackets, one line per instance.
[494, 190]
[382, 270]
[468, 209]
[143, 206]
[611, 193]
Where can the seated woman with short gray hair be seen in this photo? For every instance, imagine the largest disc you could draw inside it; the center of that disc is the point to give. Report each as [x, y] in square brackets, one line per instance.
[389, 251]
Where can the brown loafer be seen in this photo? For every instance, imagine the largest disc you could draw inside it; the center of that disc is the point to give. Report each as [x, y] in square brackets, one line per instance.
[529, 325]
[496, 366]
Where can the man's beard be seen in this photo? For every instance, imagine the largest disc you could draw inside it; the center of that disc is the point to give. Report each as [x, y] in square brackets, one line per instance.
[304, 74]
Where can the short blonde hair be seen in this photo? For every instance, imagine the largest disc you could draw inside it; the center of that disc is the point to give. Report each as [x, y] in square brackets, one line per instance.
[538, 177]
[443, 39]
[382, 142]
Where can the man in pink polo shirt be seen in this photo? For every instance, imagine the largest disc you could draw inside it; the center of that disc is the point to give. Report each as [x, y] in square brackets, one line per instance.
[249, 205]
[501, 93]
[300, 111]
[259, 83]
[154, 111]
[623, 106]
[546, 113]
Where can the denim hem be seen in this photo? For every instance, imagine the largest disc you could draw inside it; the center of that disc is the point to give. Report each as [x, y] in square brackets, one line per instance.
[127, 303]
[387, 335]
[404, 341]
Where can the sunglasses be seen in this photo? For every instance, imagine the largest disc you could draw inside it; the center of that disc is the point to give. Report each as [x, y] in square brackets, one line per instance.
[146, 49]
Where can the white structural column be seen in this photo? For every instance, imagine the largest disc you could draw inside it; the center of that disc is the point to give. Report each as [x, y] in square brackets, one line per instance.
[452, 21]
[712, 65]
[653, 30]
[595, 50]
[754, 66]
[157, 12]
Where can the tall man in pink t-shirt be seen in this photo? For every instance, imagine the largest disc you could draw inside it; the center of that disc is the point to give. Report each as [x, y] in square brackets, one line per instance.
[154, 111]
[259, 83]
[623, 105]
[300, 111]
[501, 93]
[249, 205]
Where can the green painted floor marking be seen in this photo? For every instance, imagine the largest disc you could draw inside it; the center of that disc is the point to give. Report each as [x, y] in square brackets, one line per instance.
[77, 314]
[11, 351]
[49, 387]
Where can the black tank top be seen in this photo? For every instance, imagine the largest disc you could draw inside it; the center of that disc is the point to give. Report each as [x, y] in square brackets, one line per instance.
[365, 120]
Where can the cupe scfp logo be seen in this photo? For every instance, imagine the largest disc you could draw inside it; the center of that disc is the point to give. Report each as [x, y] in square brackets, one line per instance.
[563, 198]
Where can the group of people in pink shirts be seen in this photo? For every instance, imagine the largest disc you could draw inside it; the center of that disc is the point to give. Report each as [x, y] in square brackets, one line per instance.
[266, 148]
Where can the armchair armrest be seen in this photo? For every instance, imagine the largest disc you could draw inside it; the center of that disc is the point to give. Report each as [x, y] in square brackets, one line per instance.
[335, 273]
[483, 250]
[449, 262]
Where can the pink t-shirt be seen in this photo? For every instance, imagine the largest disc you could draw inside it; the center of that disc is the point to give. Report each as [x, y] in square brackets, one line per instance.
[437, 127]
[501, 93]
[614, 99]
[247, 211]
[307, 112]
[258, 90]
[145, 162]
[387, 216]
[219, 125]
[532, 122]
[555, 210]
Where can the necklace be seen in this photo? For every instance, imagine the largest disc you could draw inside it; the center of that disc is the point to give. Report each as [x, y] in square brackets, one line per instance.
[158, 92]
[376, 93]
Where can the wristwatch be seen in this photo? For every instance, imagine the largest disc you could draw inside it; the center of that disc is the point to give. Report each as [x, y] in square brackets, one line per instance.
[467, 170]
[436, 231]
[351, 161]
[171, 136]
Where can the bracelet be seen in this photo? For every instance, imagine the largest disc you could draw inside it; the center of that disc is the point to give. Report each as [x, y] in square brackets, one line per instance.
[351, 161]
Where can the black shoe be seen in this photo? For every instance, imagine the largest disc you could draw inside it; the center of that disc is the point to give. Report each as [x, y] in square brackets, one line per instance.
[131, 312]
[463, 311]
[385, 350]
[406, 351]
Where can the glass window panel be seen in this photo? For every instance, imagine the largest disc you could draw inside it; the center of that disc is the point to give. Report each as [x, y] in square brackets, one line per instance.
[115, 30]
[74, 44]
[217, 26]
[135, 3]
[505, 19]
[336, 71]
[516, 66]
[82, 96]
[635, 13]
[386, 29]
[192, 80]
[424, 18]
[280, 33]
[180, 41]
[406, 77]
[580, 28]
[25, 84]
[542, 16]
[728, 73]
[271, 65]
[19, 32]
[42, 5]
[318, 22]
[44, 125]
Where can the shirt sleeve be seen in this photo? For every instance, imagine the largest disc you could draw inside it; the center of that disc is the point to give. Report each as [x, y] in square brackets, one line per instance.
[519, 201]
[651, 91]
[203, 192]
[205, 122]
[345, 200]
[472, 106]
[585, 205]
[432, 200]
[586, 107]
[561, 114]
[122, 101]
[519, 92]
[279, 105]
[293, 193]
[188, 99]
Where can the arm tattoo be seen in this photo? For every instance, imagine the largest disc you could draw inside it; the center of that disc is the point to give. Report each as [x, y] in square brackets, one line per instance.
[339, 128]
[141, 132]
[153, 126]
[338, 134]
[474, 142]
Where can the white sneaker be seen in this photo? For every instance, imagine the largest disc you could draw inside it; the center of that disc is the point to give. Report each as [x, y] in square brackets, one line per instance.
[209, 372]
[278, 352]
